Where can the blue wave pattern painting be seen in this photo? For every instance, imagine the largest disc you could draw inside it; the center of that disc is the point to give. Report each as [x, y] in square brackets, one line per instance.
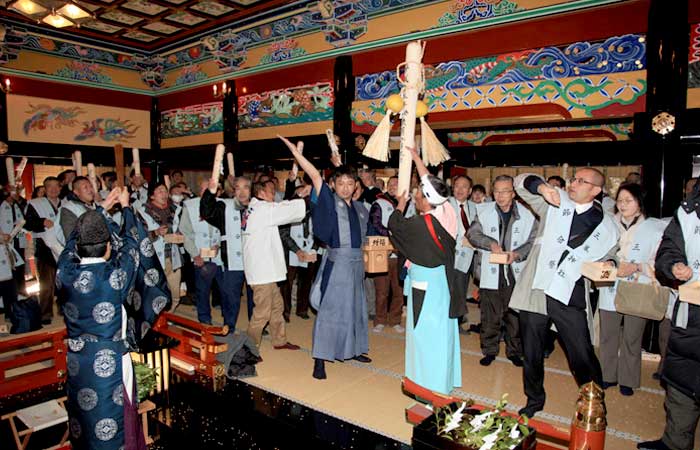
[616, 54]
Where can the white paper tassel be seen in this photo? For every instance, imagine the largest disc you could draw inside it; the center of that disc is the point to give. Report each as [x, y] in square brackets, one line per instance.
[433, 151]
[378, 144]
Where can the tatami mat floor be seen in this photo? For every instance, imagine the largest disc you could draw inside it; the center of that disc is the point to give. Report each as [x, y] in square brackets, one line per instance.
[370, 396]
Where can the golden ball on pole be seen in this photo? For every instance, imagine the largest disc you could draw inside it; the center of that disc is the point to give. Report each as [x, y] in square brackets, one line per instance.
[394, 103]
[421, 108]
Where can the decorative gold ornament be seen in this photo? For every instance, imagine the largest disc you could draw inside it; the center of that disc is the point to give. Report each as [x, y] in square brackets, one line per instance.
[394, 103]
[663, 123]
[421, 109]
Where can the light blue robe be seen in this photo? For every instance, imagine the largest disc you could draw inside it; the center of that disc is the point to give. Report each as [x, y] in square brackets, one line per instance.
[432, 346]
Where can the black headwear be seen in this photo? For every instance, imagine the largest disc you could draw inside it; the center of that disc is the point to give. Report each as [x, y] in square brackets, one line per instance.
[92, 229]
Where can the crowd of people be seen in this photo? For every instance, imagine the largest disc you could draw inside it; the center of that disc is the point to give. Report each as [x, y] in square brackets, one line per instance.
[520, 252]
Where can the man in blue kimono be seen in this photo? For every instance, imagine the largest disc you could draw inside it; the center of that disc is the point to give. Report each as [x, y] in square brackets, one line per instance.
[340, 330]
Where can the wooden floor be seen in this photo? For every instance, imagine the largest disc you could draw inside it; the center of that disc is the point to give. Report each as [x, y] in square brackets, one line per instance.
[370, 395]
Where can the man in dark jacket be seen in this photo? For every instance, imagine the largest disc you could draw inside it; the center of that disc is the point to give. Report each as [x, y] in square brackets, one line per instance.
[678, 262]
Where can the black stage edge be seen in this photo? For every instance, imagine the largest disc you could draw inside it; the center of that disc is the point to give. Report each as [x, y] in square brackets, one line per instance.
[241, 416]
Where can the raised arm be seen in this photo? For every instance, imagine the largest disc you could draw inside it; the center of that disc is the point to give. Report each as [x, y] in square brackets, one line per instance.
[420, 167]
[305, 164]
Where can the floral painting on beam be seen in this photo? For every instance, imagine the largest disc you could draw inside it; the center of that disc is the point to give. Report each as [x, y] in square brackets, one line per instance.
[310, 103]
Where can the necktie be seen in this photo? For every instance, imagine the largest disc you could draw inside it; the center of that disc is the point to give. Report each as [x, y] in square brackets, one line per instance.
[463, 215]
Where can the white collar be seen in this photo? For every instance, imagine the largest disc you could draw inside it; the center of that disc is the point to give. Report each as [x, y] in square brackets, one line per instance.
[92, 260]
[583, 207]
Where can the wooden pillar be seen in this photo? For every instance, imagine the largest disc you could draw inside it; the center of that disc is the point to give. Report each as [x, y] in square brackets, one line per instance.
[230, 117]
[667, 164]
[344, 91]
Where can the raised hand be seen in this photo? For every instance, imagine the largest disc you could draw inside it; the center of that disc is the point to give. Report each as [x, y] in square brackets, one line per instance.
[295, 149]
[213, 185]
[550, 194]
[123, 197]
[111, 199]
[335, 159]
[414, 153]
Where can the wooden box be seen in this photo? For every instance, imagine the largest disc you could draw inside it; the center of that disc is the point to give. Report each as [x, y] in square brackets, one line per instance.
[498, 258]
[208, 252]
[599, 272]
[690, 292]
[174, 238]
[376, 253]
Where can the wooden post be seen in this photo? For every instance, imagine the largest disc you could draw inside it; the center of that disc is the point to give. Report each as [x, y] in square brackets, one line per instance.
[412, 87]
[119, 164]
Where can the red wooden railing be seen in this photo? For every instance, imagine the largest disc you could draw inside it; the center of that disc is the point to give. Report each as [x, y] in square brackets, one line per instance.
[49, 346]
[197, 346]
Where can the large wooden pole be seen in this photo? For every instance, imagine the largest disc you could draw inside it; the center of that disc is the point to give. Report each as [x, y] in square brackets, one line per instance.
[412, 87]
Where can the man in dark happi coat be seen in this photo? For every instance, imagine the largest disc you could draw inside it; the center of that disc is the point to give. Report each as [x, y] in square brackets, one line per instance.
[340, 330]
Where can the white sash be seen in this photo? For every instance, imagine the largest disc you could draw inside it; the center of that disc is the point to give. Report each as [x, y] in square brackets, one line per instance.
[7, 224]
[558, 280]
[205, 235]
[44, 209]
[305, 243]
[645, 241]
[159, 242]
[232, 238]
[690, 225]
[520, 231]
[463, 254]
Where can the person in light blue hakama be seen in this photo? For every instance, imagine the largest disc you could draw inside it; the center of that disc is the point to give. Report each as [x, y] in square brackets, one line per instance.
[435, 300]
[432, 338]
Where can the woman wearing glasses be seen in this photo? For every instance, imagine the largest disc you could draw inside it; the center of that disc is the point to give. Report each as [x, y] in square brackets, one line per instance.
[621, 334]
